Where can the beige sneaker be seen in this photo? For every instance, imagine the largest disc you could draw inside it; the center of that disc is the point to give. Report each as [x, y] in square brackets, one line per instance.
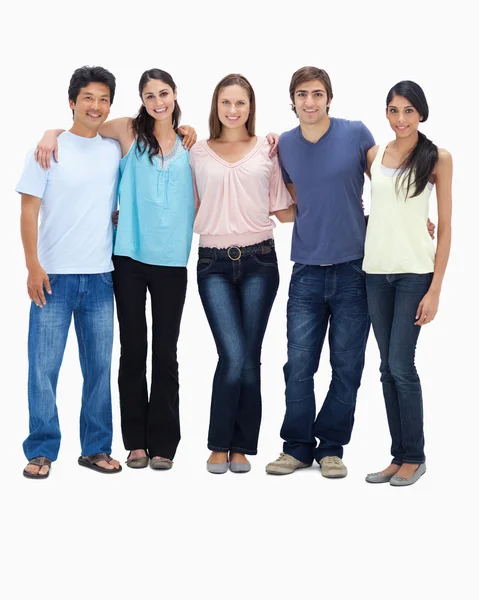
[332, 467]
[284, 465]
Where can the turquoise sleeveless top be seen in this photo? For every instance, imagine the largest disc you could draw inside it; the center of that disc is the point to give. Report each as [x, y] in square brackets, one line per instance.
[155, 224]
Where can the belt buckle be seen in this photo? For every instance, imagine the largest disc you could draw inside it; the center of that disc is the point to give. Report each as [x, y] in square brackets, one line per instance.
[233, 248]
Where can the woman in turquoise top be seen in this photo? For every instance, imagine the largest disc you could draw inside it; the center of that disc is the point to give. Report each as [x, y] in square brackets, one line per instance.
[151, 250]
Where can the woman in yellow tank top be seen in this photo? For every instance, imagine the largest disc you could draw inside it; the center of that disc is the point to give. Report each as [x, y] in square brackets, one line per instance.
[404, 273]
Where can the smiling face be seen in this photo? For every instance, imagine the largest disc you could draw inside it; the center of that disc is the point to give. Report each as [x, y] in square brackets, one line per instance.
[311, 102]
[233, 106]
[91, 107]
[158, 99]
[403, 117]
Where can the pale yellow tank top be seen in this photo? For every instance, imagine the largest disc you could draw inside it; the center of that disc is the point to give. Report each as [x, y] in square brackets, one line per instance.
[397, 240]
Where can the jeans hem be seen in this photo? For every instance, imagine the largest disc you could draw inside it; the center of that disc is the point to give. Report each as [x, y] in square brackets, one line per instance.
[100, 451]
[243, 450]
[217, 448]
[298, 455]
[320, 455]
[29, 458]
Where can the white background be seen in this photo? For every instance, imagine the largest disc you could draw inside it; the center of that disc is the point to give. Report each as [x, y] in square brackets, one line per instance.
[185, 532]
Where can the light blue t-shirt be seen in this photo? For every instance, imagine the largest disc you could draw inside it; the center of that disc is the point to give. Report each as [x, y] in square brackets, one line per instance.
[328, 178]
[79, 194]
[157, 211]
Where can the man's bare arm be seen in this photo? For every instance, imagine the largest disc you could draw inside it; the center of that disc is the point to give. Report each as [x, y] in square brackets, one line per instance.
[37, 277]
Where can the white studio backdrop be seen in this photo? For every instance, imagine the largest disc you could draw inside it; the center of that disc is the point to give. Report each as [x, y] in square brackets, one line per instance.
[198, 535]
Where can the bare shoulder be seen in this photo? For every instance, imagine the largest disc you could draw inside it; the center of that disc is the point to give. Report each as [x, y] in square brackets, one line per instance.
[444, 162]
[444, 156]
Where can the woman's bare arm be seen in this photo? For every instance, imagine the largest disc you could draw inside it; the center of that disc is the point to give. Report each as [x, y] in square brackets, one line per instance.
[429, 305]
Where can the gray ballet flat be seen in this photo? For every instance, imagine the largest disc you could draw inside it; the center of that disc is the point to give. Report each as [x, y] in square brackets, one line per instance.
[378, 478]
[239, 467]
[401, 481]
[137, 463]
[217, 469]
[160, 463]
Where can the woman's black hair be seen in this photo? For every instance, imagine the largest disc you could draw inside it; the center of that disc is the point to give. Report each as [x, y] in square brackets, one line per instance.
[419, 164]
[144, 124]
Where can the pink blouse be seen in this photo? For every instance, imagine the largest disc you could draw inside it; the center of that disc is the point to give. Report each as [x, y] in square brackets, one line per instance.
[234, 200]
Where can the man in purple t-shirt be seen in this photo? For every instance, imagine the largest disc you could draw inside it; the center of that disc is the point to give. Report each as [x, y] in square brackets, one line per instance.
[323, 163]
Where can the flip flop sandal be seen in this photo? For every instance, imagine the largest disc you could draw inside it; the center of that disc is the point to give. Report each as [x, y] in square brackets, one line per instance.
[39, 461]
[91, 463]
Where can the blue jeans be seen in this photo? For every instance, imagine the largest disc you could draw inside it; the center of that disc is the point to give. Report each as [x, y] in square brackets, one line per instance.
[393, 302]
[89, 298]
[237, 296]
[319, 295]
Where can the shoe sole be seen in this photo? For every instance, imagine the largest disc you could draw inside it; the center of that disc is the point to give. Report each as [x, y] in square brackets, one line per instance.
[84, 463]
[32, 476]
[278, 471]
[217, 468]
[381, 479]
[239, 468]
[334, 475]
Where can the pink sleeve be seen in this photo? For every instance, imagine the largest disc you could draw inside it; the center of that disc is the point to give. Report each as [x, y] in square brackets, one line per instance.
[279, 197]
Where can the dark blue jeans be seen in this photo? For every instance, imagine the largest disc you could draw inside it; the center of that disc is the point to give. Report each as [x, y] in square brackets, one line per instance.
[318, 295]
[89, 299]
[393, 302]
[237, 296]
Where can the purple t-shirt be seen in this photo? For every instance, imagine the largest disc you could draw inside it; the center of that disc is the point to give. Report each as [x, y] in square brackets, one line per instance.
[328, 178]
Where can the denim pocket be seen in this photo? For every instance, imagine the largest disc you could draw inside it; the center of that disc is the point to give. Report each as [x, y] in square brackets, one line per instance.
[268, 259]
[357, 264]
[107, 279]
[52, 279]
[297, 268]
[203, 265]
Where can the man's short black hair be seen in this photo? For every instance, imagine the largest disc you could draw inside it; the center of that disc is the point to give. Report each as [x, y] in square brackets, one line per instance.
[85, 75]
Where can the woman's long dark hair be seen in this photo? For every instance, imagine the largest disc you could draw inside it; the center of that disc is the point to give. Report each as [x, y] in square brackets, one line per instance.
[144, 124]
[419, 164]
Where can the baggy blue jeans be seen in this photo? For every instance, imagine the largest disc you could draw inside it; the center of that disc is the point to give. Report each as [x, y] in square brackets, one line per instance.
[318, 296]
[89, 298]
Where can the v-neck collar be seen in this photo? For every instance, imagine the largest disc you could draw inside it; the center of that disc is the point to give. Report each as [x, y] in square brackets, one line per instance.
[238, 162]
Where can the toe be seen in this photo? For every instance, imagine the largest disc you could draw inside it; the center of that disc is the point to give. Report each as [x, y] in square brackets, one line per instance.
[32, 469]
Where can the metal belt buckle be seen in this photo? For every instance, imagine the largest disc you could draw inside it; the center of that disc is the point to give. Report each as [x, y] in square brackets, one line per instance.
[234, 248]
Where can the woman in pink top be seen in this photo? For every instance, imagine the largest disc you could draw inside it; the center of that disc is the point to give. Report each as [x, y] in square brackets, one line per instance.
[238, 186]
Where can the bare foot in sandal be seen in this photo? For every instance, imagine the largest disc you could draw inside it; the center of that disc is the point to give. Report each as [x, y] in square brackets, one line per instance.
[37, 468]
[114, 464]
[34, 470]
[101, 462]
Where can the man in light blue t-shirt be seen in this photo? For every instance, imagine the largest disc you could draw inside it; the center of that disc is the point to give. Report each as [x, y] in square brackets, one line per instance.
[69, 273]
[323, 163]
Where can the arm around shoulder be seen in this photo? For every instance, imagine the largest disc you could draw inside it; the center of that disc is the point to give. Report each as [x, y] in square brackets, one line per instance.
[288, 215]
[120, 129]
